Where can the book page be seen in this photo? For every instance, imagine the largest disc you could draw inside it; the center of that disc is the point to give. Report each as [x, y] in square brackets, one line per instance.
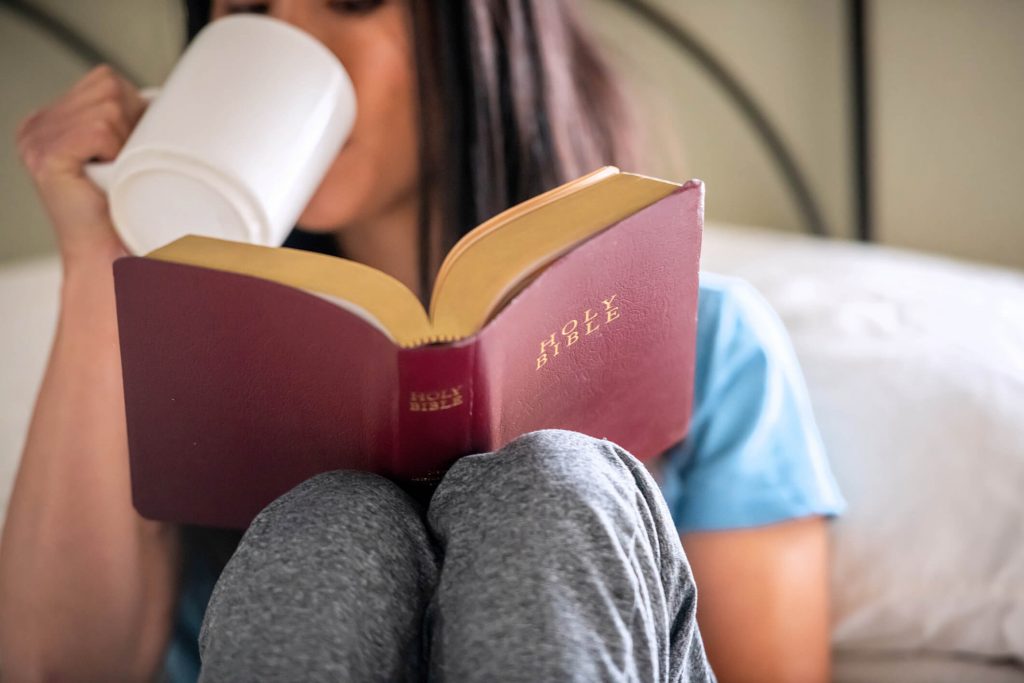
[487, 267]
[378, 295]
[478, 279]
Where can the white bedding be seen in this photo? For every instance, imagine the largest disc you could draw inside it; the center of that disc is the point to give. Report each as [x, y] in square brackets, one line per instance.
[29, 292]
[915, 367]
[853, 667]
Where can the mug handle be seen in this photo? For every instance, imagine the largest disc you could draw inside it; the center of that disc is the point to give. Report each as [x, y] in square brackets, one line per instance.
[102, 172]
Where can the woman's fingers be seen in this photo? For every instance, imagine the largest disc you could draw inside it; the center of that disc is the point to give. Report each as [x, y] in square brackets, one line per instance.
[101, 92]
[63, 143]
[92, 120]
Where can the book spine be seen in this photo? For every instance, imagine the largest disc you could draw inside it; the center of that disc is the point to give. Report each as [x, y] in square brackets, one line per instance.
[435, 408]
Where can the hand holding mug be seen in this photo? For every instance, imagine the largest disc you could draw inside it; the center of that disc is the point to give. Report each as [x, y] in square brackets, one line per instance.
[91, 120]
[236, 141]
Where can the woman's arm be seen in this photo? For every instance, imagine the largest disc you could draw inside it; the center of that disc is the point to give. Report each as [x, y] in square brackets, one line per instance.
[763, 600]
[86, 585]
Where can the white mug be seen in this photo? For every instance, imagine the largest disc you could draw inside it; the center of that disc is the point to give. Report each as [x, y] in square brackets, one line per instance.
[236, 141]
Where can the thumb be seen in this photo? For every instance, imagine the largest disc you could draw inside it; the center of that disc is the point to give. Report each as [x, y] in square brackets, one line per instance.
[133, 101]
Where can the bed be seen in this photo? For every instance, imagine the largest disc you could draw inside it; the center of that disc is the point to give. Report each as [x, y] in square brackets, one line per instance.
[915, 366]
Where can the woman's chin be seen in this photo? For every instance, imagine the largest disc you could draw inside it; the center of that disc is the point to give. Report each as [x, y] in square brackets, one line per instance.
[315, 219]
[329, 209]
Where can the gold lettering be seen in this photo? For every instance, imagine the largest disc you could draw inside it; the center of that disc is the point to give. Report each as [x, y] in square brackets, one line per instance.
[612, 312]
[550, 341]
[440, 399]
[570, 330]
[570, 334]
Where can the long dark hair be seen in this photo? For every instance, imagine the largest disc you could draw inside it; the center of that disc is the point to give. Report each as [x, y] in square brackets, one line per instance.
[516, 99]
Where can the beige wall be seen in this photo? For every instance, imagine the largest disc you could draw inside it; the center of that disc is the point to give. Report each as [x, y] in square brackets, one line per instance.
[948, 79]
[949, 91]
[788, 55]
[950, 121]
[34, 69]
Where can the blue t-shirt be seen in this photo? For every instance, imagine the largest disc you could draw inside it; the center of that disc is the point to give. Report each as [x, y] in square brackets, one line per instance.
[753, 454]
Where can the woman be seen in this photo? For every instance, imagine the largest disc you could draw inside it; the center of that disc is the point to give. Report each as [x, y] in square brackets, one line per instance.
[562, 562]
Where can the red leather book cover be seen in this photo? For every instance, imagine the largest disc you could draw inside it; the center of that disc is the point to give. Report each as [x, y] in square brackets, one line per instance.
[237, 388]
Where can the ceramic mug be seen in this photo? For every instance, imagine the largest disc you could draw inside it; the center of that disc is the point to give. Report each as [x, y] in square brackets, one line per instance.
[236, 141]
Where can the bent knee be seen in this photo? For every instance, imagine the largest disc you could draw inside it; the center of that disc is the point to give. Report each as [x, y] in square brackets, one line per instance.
[337, 501]
[553, 441]
[561, 457]
[550, 489]
[336, 488]
[550, 468]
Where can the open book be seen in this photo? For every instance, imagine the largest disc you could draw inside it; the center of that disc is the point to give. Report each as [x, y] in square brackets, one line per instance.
[248, 369]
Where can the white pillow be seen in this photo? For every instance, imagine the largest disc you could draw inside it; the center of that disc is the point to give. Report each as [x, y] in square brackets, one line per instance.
[915, 367]
[29, 302]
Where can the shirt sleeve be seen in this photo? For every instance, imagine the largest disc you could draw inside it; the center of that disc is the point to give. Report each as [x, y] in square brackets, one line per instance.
[753, 454]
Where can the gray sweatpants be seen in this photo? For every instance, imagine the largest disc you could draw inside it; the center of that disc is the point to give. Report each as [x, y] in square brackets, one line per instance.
[551, 559]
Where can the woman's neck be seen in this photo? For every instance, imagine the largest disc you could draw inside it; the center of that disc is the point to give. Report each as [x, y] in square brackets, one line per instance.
[389, 243]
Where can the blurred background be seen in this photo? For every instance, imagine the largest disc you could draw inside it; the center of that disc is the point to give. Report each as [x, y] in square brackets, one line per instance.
[901, 119]
[863, 161]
